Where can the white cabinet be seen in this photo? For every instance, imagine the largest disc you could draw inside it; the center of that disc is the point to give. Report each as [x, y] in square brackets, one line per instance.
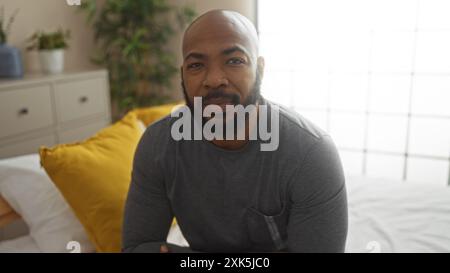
[25, 109]
[49, 109]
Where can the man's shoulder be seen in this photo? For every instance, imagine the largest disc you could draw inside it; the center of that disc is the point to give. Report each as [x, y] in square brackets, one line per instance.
[160, 124]
[158, 133]
[294, 124]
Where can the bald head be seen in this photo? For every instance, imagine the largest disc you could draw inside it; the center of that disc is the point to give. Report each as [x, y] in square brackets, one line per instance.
[222, 26]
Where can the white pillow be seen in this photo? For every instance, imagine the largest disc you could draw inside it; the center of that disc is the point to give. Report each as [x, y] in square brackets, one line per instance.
[51, 221]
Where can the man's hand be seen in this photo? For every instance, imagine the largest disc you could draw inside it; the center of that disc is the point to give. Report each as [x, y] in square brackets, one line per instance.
[164, 249]
[171, 248]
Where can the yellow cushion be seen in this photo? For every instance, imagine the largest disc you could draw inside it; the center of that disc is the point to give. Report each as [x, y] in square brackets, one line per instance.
[94, 176]
[151, 114]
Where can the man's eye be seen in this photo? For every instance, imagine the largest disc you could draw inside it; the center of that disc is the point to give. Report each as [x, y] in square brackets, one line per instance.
[194, 65]
[236, 61]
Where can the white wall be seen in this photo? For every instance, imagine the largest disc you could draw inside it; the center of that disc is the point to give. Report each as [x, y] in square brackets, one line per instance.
[48, 15]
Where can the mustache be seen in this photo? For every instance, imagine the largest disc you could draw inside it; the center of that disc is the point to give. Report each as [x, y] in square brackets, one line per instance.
[221, 94]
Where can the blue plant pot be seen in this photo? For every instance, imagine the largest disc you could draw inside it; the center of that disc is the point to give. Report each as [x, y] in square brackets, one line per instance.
[10, 62]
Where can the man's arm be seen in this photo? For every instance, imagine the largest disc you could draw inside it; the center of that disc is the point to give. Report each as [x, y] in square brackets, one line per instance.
[148, 213]
[318, 220]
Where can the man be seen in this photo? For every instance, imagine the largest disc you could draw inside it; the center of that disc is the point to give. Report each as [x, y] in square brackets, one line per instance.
[229, 195]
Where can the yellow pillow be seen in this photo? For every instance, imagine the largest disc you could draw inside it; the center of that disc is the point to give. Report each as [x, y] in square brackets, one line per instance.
[94, 177]
[151, 114]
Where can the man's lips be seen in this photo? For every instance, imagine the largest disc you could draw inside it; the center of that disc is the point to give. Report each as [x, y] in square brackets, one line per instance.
[222, 102]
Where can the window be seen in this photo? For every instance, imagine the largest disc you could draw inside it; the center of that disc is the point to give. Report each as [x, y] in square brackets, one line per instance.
[373, 73]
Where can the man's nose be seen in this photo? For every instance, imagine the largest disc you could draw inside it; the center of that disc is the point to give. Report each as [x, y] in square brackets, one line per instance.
[215, 78]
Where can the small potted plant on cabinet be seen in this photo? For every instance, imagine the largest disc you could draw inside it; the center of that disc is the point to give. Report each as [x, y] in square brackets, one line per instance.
[51, 47]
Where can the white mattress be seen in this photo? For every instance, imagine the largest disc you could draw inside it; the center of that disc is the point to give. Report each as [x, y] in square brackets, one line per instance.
[391, 216]
[384, 216]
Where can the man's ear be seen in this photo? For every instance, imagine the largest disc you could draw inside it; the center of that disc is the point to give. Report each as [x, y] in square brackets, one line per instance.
[260, 66]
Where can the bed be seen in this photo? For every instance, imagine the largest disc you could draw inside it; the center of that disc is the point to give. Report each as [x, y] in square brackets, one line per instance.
[384, 216]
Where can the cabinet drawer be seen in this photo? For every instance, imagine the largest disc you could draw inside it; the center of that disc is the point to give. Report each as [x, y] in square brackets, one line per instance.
[29, 146]
[80, 99]
[82, 132]
[25, 109]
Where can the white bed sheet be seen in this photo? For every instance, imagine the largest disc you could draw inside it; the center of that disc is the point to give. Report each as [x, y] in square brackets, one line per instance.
[392, 216]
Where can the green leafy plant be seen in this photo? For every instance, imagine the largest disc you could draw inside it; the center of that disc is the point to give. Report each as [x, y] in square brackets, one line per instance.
[5, 27]
[46, 41]
[133, 37]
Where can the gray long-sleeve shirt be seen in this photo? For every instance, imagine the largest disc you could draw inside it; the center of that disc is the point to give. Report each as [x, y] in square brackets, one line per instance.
[291, 199]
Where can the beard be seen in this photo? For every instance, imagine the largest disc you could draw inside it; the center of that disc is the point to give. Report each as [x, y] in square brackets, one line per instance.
[252, 99]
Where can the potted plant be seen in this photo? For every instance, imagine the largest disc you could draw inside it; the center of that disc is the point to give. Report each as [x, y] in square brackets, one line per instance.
[51, 48]
[10, 60]
[133, 38]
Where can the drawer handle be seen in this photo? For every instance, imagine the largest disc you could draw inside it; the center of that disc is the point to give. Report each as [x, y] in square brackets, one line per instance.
[23, 111]
[83, 99]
